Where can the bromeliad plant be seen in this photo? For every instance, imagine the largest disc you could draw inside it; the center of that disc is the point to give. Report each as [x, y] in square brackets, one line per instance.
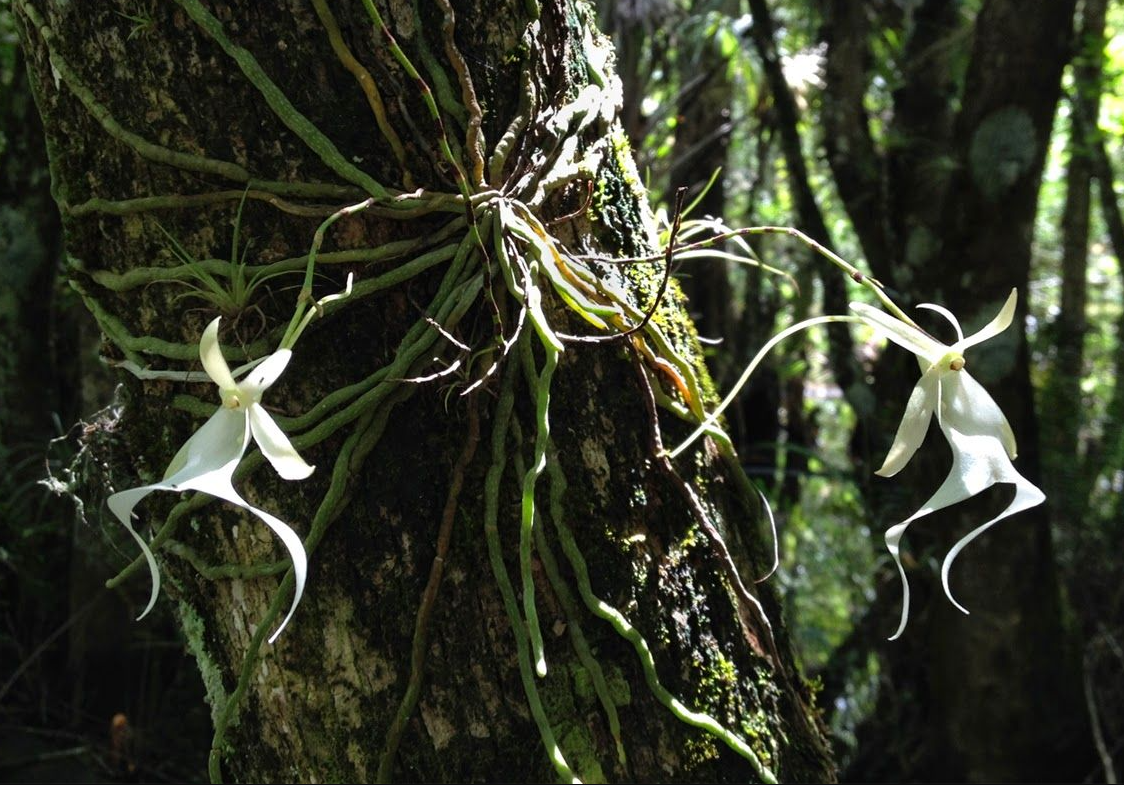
[230, 288]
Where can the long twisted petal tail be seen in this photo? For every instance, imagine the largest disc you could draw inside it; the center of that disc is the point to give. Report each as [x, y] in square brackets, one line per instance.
[121, 505]
[206, 463]
[217, 482]
[953, 490]
[297, 555]
[979, 460]
[1027, 495]
[220, 486]
[893, 545]
[979, 434]
[214, 449]
[969, 476]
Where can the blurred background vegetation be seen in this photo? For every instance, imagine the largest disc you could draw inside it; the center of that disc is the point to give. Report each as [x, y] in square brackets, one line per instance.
[797, 105]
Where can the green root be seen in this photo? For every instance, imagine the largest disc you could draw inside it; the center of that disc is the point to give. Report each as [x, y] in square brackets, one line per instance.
[503, 580]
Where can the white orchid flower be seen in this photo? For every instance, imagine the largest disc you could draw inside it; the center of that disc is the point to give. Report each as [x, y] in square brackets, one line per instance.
[982, 442]
[207, 460]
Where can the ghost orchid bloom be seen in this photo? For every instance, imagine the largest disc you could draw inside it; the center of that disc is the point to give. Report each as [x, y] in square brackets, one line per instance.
[207, 460]
[981, 438]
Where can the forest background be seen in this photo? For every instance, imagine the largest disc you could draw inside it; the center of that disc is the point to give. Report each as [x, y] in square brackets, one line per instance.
[845, 120]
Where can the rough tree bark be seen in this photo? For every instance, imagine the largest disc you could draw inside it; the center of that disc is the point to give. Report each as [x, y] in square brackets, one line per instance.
[159, 123]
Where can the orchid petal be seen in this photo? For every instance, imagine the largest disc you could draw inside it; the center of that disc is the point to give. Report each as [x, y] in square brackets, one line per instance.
[212, 450]
[211, 354]
[208, 459]
[969, 476]
[179, 460]
[263, 376]
[914, 424]
[216, 483]
[275, 445]
[997, 325]
[904, 335]
[217, 449]
[979, 434]
[978, 462]
[972, 472]
[946, 314]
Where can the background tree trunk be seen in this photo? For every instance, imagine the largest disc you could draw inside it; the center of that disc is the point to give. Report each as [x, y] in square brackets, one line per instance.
[154, 130]
[1068, 470]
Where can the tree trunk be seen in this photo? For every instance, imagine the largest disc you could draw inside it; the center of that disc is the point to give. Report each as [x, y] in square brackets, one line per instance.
[411, 655]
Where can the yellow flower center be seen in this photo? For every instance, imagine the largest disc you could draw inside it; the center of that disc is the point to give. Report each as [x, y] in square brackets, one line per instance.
[953, 361]
[235, 399]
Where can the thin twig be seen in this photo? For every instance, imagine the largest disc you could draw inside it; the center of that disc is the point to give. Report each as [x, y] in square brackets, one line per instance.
[663, 463]
[1095, 726]
[429, 598]
[584, 206]
[667, 256]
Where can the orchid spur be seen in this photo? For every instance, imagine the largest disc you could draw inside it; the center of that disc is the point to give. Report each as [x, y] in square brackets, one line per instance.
[207, 460]
[982, 442]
